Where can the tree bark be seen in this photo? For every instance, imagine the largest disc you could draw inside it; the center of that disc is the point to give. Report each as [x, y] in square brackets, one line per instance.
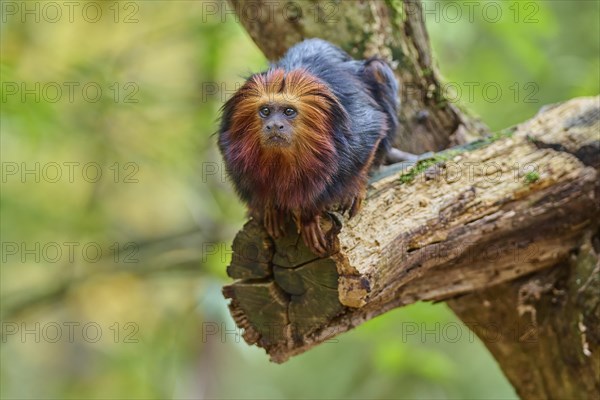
[504, 228]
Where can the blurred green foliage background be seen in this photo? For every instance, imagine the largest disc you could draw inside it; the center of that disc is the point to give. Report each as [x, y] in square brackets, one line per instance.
[116, 217]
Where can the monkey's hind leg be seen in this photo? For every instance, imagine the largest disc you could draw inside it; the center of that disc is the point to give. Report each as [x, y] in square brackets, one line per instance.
[352, 205]
[356, 205]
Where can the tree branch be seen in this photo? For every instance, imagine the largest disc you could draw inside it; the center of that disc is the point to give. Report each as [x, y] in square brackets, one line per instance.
[466, 219]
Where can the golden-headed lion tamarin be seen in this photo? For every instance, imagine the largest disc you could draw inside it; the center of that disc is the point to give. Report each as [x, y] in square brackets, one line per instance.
[300, 138]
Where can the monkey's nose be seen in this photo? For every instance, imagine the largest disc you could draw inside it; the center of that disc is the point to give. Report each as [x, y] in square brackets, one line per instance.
[272, 126]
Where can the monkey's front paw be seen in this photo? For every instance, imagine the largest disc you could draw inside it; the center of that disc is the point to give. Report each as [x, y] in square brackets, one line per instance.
[314, 238]
[274, 222]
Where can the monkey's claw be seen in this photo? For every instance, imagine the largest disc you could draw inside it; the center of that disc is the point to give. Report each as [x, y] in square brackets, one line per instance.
[274, 222]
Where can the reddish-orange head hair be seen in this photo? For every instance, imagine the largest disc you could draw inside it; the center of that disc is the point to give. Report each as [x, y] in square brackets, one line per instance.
[293, 175]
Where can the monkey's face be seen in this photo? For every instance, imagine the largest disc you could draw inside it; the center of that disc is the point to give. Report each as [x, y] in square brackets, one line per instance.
[281, 126]
[277, 121]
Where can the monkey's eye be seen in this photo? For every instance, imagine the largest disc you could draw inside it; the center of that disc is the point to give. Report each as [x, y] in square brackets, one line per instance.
[264, 112]
[290, 112]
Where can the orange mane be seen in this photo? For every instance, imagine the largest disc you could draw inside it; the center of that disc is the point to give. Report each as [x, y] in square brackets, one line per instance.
[291, 176]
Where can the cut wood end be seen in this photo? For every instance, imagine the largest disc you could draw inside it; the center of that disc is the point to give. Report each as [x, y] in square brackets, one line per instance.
[283, 294]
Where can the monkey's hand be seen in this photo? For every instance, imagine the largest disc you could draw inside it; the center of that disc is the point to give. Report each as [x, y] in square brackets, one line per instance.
[319, 242]
[274, 222]
[313, 236]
